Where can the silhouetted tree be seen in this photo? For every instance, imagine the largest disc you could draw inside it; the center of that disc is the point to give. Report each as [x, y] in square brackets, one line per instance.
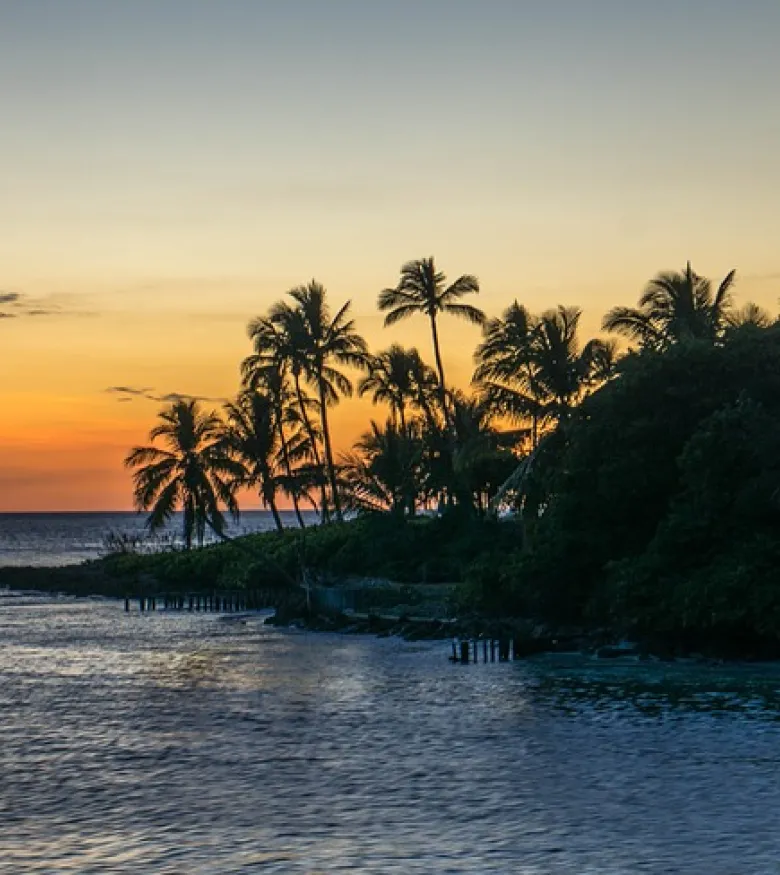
[252, 438]
[675, 307]
[322, 342]
[423, 289]
[193, 470]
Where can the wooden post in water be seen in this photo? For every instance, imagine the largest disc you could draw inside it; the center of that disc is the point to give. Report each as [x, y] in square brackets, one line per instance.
[476, 651]
[154, 603]
[141, 604]
[484, 650]
[492, 649]
[503, 650]
[127, 604]
[454, 650]
[464, 652]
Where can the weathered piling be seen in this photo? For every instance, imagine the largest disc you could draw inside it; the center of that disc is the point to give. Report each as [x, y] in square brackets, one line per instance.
[464, 652]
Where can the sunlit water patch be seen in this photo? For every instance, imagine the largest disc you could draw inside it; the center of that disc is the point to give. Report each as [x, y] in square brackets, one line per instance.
[193, 743]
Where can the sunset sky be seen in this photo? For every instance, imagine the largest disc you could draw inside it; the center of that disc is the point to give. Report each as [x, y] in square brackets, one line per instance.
[169, 168]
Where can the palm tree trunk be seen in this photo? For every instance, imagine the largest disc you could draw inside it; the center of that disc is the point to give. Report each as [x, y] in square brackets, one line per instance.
[440, 369]
[402, 415]
[275, 513]
[310, 432]
[189, 523]
[288, 466]
[329, 452]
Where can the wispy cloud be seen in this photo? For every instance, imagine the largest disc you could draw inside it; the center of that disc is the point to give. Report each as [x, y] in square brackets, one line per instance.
[147, 393]
[15, 305]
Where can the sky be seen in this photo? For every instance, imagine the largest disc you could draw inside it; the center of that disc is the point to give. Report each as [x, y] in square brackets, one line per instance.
[169, 168]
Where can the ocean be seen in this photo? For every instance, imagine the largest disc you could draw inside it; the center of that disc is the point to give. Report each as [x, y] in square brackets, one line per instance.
[42, 539]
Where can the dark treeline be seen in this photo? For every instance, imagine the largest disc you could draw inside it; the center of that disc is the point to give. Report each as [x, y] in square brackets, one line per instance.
[644, 487]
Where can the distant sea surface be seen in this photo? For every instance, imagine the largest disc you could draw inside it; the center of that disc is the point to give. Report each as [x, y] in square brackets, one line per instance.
[69, 538]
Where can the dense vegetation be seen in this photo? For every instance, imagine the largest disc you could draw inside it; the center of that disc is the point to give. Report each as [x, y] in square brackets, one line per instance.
[645, 487]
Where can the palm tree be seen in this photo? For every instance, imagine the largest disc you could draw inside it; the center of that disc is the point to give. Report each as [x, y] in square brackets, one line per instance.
[392, 378]
[383, 471]
[252, 438]
[750, 314]
[505, 359]
[322, 343]
[270, 377]
[532, 366]
[423, 289]
[192, 470]
[675, 307]
[278, 341]
[483, 457]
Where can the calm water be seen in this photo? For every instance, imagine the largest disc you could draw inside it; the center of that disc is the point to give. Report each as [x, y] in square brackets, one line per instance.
[195, 744]
[70, 538]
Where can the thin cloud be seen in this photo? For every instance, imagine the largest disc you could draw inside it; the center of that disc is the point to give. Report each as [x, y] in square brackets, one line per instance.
[16, 304]
[147, 393]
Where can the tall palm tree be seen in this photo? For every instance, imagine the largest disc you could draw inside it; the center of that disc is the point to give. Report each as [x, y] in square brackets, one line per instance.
[279, 340]
[192, 470]
[252, 438]
[392, 379]
[675, 307]
[423, 289]
[323, 342]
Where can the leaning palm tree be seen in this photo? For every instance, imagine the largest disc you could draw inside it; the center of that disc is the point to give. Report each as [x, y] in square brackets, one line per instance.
[192, 470]
[675, 307]
[423, 289]
[252, 438]
[323, 342]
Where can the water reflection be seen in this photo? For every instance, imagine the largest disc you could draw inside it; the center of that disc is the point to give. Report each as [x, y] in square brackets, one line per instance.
[187, 744]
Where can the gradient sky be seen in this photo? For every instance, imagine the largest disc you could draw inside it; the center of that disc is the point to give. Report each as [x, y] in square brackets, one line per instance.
[168, 168]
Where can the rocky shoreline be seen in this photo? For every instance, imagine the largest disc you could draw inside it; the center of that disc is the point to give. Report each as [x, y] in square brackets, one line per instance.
[527, 639]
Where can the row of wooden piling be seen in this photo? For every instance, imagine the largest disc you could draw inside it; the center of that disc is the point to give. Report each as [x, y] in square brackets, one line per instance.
[224, 602]
[465, 651]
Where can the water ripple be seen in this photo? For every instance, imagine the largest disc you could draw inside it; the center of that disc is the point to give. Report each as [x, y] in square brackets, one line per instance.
[184, 744]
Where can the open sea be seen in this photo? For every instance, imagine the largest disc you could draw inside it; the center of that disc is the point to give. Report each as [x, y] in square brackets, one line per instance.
[70, 538]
